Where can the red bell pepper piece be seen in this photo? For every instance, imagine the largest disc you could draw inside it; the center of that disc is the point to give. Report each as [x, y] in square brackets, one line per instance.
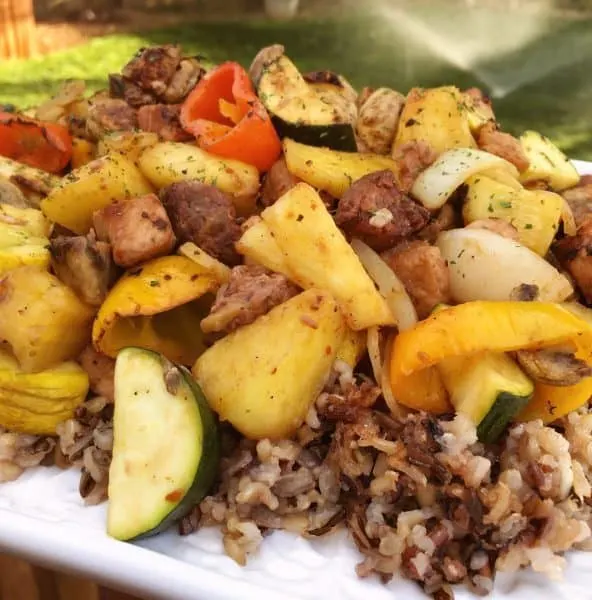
[225, 115]
[47, 146]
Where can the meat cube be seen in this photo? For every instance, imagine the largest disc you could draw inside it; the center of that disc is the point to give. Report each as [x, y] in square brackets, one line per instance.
[503, 145]
[413, 158]
[137, 229]
[163, 119]
[132, 93]
[422, 270]
[110, 115]
[376, 211]
[277, 182]
[100, 370]
[188, 73]
[84, 265]
[446, 219]
[153, 68]
[250, 292]
[579, 199]
[204, 215]
[575, 255]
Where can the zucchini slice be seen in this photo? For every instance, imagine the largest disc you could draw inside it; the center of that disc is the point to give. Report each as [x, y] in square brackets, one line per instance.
[165, 446]
[489, 388]
[321, 112]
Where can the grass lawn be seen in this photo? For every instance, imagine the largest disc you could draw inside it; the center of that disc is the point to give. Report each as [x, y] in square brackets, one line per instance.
[545, 83]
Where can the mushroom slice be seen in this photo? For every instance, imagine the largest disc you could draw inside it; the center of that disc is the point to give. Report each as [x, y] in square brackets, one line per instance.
[553, 366]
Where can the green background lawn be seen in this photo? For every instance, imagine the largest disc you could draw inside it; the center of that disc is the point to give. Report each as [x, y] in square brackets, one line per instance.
[544, 84]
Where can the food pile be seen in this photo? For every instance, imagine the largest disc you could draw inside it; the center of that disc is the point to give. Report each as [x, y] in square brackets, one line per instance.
[264, 300]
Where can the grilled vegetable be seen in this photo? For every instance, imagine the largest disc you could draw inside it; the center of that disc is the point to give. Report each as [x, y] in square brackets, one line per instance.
[29, 219]
[534, 214]
[316, 114]
[165, 446]
[353, 347]
[318, 255]
[487, 387]
[331, 170]
[25, 255]
[553, 366]
[547, 162]
[377, 122]
[169, 162]
[265, 389]
[90, 188]
[153, 306]
[213, 266]
[486, 266]
[129, 143]
[30, 177]
[83, 152]
[42, 319]
[36, 402]
[436, 116]
[229, 120]
[472, 328]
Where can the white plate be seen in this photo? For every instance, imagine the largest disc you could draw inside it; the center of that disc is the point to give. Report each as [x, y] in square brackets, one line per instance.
[43, 519]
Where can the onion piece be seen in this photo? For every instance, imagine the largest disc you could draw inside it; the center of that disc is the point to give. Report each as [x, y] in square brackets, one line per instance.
[385, 381]
[569, 222]
[438, 182]
[389, 285]
[374, 353]
[486, 266]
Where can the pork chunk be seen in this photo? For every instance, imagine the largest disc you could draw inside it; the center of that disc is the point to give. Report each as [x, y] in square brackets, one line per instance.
[575, 255]
[204, 215]
[277, 182]
[84, 265]
[251, 291]
[503, 145]
[100, 370]
[376, 211]
[422, 270]
[110, 115]
[579, 199]
[163, 119]
[137, 229]
[153, 68]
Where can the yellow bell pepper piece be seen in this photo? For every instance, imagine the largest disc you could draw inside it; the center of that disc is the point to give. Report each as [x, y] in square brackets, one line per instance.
[152, 306]
[36, 402]
[476, 327]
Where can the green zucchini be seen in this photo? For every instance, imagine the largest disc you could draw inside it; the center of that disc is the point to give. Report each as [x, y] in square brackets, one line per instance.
[319, 112]
[489, 388]
[165, 446]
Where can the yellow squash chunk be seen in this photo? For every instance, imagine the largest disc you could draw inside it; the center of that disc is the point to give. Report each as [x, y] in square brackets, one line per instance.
[42, 319]
[436, 116]
[318, 255]
[258, 245]
[535, 214]
[23, 256]
[479, 326]
[91, 187]
[30, 219]
[332, 170]
[422, 390]
[168, 162]
[152, 307]
[547, 162]
[36, 402]
[265, 389]
[210, 264]
[13, 235]
[130, 144]
[83, 152]
[352, 348]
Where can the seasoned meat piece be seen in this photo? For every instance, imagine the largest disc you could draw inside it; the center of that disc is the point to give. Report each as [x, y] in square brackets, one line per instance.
[153, 68]
[422, 270]
[137, 229]
[188, 73]
[579, 199]
[498, 226]
[251, 291]
[100, 370]
[277, 182]
[446, 219]
[503, 145]
[204, 215]
[163, 119]
[132, 93]
[107, 116]
[575, 255]
[376, 211]
[84, 265]
[413, 158]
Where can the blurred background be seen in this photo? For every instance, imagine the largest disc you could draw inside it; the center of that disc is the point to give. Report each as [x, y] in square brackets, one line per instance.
[534, 57]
